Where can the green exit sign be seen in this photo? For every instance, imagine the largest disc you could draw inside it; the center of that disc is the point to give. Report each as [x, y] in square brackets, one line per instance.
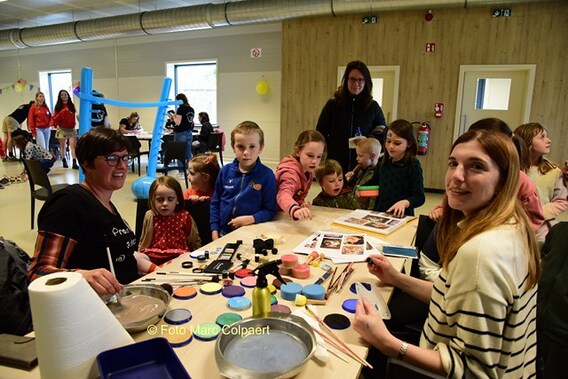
[504, 12]
[369, 20]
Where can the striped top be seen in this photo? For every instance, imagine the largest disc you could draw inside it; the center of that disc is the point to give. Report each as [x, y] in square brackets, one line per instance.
[481, 319]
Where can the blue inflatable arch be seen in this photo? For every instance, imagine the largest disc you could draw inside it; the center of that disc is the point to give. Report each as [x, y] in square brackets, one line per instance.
[140, 187]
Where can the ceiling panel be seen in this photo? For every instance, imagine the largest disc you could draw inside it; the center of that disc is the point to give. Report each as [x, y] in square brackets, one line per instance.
[31, 13]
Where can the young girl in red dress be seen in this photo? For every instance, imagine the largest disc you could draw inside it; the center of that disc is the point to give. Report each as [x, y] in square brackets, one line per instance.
[168, 229]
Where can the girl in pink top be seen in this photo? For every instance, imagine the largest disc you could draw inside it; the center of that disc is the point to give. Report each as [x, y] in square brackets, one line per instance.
[168, 229]
[203, 170]
[295, 174]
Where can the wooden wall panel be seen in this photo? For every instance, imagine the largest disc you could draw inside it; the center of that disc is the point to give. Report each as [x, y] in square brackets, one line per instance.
[313, 48]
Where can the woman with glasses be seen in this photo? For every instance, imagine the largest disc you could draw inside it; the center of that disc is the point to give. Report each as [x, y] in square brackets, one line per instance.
[79, 223]
[351, 113]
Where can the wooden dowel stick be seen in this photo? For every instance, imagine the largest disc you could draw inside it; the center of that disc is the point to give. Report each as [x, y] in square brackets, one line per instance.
[327, 329]
[340, 348]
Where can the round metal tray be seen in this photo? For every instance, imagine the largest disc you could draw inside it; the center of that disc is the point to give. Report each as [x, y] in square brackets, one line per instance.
[158, 292]
[293, 327]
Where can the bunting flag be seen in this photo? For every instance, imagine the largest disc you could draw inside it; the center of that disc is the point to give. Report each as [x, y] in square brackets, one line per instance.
[18, 86]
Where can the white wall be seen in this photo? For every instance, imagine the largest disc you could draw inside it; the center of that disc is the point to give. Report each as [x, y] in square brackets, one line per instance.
[132, 69]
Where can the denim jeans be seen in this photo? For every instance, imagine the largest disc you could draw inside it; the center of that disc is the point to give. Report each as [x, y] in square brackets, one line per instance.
[46, 164]
[186, 137]
[42, 137]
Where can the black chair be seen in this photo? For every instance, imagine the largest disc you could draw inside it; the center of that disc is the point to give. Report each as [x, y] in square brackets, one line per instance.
[38, 177]
[166, 138]
[214, 144]
[134, 151]
[199, 211]
[409, 313]
[174, 159]
[552, 302]
[397, 369]
[425, 227]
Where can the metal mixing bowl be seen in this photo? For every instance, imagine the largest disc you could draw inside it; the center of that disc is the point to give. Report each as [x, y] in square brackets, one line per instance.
[156, 291]
[293, 326]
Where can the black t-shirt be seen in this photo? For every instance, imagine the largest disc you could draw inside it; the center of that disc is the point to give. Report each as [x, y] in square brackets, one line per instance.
[98, 114]
[187, 113]
[74, 212]
[128, 125]
[21, 113]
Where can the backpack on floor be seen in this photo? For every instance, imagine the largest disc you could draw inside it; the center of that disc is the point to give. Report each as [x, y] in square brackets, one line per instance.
[15, 311]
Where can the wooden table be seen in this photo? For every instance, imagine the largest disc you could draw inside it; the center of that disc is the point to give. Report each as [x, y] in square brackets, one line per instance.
[198, 357]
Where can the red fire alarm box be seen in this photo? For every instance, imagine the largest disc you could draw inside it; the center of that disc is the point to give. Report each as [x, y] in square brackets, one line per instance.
[438, 110]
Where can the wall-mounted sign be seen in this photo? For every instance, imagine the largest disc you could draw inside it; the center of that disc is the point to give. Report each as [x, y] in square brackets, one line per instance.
[369, 20]
[256, 52]
[504, 12]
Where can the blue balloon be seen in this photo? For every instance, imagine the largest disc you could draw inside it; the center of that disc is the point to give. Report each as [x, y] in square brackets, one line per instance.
[141, 187]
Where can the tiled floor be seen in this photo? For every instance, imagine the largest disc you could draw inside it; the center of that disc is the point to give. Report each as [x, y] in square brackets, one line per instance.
[15, 202]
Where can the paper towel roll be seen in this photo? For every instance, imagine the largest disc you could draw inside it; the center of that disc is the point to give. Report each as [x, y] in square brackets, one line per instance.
[72, 325]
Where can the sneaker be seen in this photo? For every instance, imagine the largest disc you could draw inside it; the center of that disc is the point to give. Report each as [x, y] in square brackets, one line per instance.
[75, 166]
[65, 165]
[5, 181]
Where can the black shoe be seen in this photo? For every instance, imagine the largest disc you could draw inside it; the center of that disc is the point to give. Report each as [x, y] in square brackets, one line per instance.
[75, 167]
[65, 165]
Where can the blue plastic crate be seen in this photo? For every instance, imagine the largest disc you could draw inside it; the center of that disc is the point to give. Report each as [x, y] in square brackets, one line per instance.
[152, 359]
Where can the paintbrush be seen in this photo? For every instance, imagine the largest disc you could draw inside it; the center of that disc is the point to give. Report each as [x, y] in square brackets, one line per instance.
[324, 277]
[329, 286]
[334, 353]
[335, 345]
[109, 257]
[339, 340]
[350, 269]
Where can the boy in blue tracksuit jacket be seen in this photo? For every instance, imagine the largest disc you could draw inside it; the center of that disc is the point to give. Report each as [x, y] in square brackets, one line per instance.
[245, 190]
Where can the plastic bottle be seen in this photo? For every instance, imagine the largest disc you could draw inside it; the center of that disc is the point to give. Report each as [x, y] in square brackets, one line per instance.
[261, 294]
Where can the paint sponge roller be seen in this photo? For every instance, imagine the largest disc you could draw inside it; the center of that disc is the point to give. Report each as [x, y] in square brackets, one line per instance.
[301, 300]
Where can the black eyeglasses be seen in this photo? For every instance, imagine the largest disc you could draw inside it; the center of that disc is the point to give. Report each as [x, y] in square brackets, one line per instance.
[357, 80]
[113, 159]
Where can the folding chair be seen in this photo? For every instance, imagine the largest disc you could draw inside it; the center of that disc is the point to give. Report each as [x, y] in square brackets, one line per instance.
[38, 177]
[134, 151]
[174, 159]
[214, 144]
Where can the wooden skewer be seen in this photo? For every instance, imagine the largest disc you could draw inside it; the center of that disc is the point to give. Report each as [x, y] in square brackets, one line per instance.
[338, 347]
[334, 353]
[340, 278]
[327, 329]
[347, 274]
[330, 282]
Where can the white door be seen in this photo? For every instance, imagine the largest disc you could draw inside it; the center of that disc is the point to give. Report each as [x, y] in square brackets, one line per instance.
[385, 88]
[503, 92]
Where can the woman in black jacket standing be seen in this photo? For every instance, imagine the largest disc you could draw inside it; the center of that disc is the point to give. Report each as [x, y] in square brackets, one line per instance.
[351, 112]
[183, 120]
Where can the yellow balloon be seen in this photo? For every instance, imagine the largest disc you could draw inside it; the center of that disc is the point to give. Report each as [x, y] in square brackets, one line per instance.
[262, 87]
[18, 87]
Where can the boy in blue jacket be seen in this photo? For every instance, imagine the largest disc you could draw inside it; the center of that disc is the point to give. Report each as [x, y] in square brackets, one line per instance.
[245, 190]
